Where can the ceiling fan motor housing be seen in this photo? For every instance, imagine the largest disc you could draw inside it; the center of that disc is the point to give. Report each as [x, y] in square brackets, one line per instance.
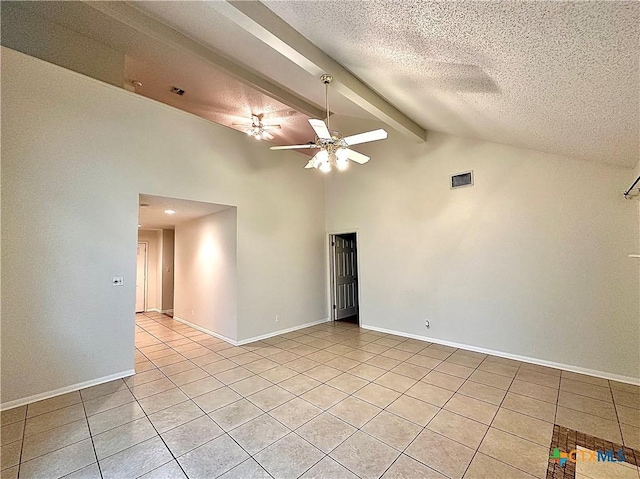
[326, 78]
[334, 149]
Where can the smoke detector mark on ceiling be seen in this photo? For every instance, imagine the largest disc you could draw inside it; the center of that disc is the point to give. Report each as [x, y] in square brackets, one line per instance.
[177, 91]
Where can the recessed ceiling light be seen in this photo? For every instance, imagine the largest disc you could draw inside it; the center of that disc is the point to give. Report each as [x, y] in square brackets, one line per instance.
[170, 212]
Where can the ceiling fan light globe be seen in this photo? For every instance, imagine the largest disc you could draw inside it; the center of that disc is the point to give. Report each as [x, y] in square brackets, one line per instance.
[325, 167]
[342, 154]
[342, 163]
[322, 156]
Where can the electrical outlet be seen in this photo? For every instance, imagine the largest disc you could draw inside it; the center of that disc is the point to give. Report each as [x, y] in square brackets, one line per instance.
[118, 281]
[277, 318]
[427, 323]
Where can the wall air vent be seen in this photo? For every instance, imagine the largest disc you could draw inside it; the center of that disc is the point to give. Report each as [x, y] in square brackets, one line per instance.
[177, 91]
[462, 179]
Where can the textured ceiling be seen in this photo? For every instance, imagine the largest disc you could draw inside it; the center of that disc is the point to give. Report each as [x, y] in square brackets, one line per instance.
[153, 217]
[560, 77]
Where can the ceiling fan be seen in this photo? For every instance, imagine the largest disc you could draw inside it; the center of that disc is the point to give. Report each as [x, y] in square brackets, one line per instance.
[257, 128]
[334, 149]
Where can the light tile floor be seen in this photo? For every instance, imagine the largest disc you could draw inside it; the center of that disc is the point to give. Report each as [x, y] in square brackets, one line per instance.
[330, 401]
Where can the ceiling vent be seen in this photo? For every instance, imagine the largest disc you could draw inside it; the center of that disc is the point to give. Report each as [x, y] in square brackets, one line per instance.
[177, 91]
[462, 179]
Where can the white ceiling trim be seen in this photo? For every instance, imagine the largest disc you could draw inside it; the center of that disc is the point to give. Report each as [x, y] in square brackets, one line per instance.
[262, 23]
[157, 30]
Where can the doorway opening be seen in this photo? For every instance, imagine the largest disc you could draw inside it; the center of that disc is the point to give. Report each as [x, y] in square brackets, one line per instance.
[191, 264]
[345, 305]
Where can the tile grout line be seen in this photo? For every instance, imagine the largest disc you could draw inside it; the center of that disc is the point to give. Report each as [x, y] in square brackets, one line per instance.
[489, 428]
[334, 340]
[440, 409]
[145, 415]
[443, 409]
[24, 433]
[72, 443]
[555, 415]
[93, 445]
[253, 374]
[224, 432]
[158, 435]
[615, 408]
[291, 431]
[294, 431]
[227, 385]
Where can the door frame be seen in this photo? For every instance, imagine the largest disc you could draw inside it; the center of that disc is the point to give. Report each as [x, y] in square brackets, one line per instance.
[146, 272]
[331, 267]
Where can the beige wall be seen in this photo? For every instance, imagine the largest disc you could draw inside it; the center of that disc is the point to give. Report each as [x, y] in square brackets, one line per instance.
[58, 44]
[168, 247]
[206, 272]
[532, 260]
[636, 174]
[75, 155]
[154, 267]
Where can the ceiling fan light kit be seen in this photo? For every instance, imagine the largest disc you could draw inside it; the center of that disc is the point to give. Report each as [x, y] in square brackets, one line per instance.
[334, 149]
[257, 128]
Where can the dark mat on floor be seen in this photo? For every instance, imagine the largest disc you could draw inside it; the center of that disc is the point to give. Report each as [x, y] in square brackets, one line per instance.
[566, 440]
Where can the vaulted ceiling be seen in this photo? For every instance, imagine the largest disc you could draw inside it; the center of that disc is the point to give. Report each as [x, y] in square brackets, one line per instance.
[561, 77]
[558, 77]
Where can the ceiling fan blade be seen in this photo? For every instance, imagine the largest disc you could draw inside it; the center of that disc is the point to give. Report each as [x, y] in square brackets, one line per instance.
[372, 135]
[357, 157]
[320, 128]
[310, 164]
[242, 124]
[293, 147]
[271, 127]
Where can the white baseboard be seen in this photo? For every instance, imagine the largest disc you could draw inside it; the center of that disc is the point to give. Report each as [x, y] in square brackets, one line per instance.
[253, 339]
[205, 330]
[66, 389]
[282, 331]
[515, 357]
[161, 311]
